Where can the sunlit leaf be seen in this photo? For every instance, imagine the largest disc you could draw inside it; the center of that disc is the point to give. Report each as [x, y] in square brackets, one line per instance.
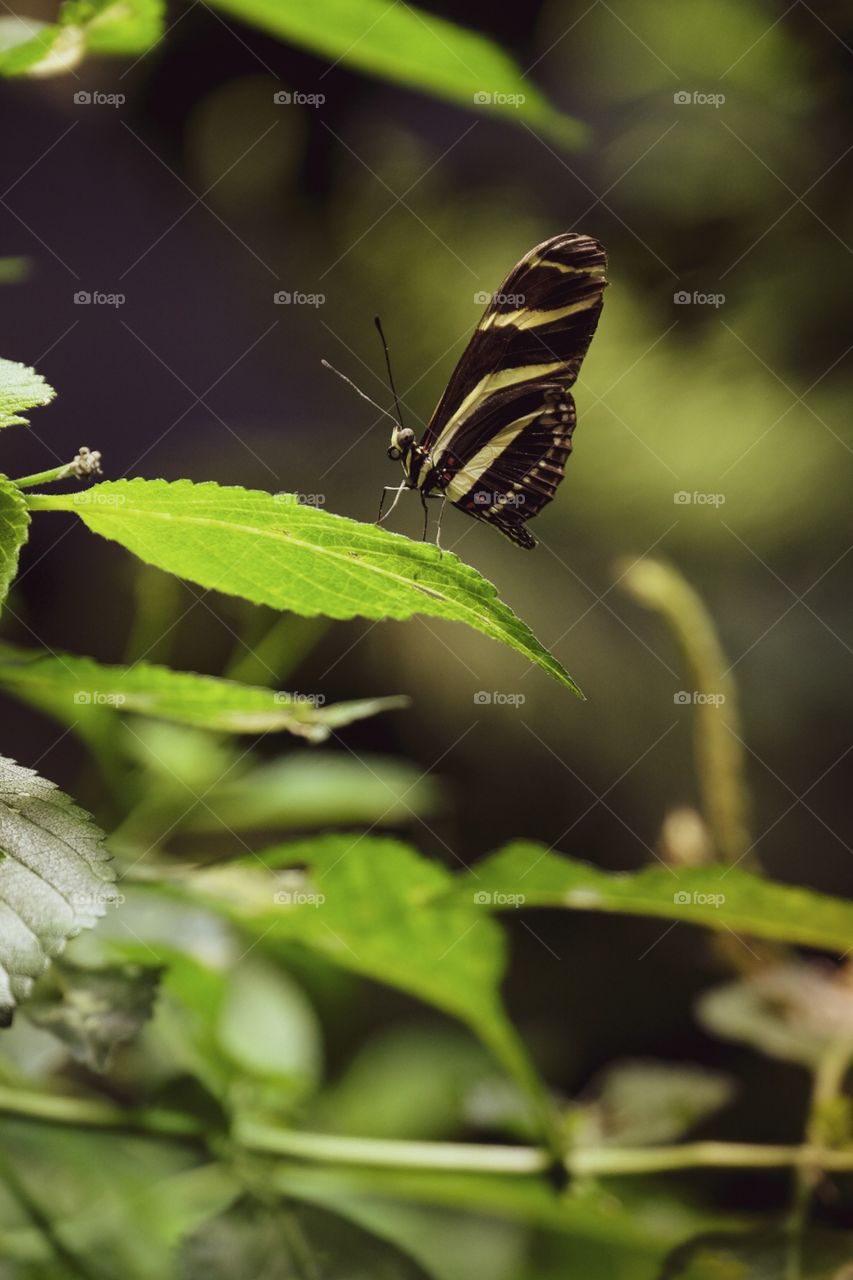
[14, 529]
[77, 687]
[410, 46]
[20, 388]
[33, 48]
[55, 878]
[274, 550]
[525, 874]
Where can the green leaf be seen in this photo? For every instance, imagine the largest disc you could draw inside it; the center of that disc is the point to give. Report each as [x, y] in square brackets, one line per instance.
[526, 874]
[33, 48]
[250, 1242]
[94, 1010]
[644, 1102]
[75, 687]
[402, 43]
[795, 1011]
[54, 877]
[267, 1026]
[765, 1255]
[375, 906]
[14, 530]
[273, 550]
[20, 388]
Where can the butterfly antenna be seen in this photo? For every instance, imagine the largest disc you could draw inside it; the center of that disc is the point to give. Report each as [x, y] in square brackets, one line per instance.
[378, 324]
[358, 390]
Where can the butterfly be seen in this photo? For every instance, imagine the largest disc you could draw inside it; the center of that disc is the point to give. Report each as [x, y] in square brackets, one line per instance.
[498, 442]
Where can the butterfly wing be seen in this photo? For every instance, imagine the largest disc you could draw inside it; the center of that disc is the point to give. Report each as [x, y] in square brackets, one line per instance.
[499, 439]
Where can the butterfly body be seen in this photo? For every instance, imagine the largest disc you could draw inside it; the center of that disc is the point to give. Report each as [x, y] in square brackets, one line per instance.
[498, 442]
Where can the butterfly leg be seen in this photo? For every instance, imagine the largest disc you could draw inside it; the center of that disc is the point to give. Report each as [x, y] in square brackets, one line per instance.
[396, 490]
[443, 498]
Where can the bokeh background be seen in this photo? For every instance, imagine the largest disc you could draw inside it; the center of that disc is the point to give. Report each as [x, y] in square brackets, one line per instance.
[200, 198]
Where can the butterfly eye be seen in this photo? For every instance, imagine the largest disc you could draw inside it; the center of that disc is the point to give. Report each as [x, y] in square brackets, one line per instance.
[394, 453]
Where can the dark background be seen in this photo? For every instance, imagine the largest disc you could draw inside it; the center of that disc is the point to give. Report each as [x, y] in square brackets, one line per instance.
[199, 198]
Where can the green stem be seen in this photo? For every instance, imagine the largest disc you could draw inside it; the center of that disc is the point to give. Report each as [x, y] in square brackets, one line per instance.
[40, 1220]
[717, 737]
[86, 463]
[325, 1148]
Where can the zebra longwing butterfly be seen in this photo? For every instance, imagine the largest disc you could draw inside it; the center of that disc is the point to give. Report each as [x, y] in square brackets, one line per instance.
[498, 442]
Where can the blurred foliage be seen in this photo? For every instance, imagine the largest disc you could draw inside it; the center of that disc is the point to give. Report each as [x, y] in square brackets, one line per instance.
[714, 429]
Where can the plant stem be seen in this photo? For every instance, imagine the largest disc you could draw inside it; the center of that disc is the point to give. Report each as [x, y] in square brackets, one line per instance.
[718, 744]
[326, 1148]
[86, 463]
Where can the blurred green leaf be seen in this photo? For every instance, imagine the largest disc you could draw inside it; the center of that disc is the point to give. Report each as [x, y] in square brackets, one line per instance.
[794, 1011]
[766, 1255]
[646, 1102]
[413, 1081]
[55, 878]
[29, 47]
[71, 683]
[375, 906]
[14, 530]
[271, 549]
[12, 270]
[267, 1026]
[525, 874]
[407, 45]
[250, 1241]
[20, 388]
[94, 1010]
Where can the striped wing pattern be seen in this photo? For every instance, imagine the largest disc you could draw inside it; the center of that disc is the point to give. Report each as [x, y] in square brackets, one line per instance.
[498, 442]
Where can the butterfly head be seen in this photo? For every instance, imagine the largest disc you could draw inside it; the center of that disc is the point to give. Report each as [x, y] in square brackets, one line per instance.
[402, 440]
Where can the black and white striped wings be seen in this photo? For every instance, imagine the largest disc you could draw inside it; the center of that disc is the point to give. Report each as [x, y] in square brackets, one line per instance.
[499, 439]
